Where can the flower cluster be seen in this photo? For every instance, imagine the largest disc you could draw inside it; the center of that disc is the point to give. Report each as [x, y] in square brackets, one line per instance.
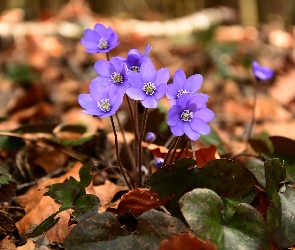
[137, 77]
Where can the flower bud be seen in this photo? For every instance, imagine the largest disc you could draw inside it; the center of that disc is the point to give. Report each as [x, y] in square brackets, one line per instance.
[158, 162]
[150, 137]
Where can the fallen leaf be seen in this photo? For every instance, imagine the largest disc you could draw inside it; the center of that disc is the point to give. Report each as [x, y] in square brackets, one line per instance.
[283, 90]
[138, 201]
[39, 207]
[187, 242]
[106, 192]
[203, 155]
[30, 245]
[7, 244]
[47, 157]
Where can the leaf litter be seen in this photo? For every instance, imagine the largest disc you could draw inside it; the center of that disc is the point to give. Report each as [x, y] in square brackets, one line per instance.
[58, 70]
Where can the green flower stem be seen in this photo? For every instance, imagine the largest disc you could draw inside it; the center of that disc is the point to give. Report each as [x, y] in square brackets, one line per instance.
[118, 156]
[253, 114]
[143, 124]
[130, 155]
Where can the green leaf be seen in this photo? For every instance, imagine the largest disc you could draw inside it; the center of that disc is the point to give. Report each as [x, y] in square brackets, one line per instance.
[213, 139]
[103, 231]
[74, 128]
[256, 166]
[20, 73]
[63, 193]
[7, 186]
[13, 143]
[75, 142]
[226, 177]
[42, 228]
[84, 204]
[203, 210]
[35, 128]
[280, 217]
[174, 179]
[10, 143]
[230, 206]
[284, 149]
[85, 176]
[261, 143]
[274, 174]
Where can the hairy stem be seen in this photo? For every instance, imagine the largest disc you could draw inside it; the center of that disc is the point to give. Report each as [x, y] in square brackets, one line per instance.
[174, 151]
[170, 149]
[143, 124]
[118, 156]
[132, 118]
[130, 155]
[253, 115]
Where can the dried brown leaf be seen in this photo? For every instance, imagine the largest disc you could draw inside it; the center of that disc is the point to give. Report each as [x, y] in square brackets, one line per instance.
[203, 155]
[106, 192]
[30, 245]
[138, 201]
[7, 244]
[187, 242]
[46, 157]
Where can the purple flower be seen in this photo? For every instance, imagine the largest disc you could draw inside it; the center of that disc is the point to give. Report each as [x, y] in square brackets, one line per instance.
[100, 102]
[158, 162]
[135, 58]
[148, 85]
[261, 72]
[112, 74]
[181, 86]
[100, 39]
[150, 137]
[190, 116]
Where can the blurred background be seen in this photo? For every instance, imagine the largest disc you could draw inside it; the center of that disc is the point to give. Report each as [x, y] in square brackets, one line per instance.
[251, 11]
[43, 66]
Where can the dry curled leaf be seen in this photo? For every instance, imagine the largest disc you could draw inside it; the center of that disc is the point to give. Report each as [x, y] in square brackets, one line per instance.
[138, 201]
[187, 242]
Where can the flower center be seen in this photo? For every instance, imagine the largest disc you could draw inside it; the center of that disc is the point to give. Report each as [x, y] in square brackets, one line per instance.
[103, 43]
[181, 92]
[116, 77]
[104, 105]
[187, 115]
[149, 88]
[134, 68]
